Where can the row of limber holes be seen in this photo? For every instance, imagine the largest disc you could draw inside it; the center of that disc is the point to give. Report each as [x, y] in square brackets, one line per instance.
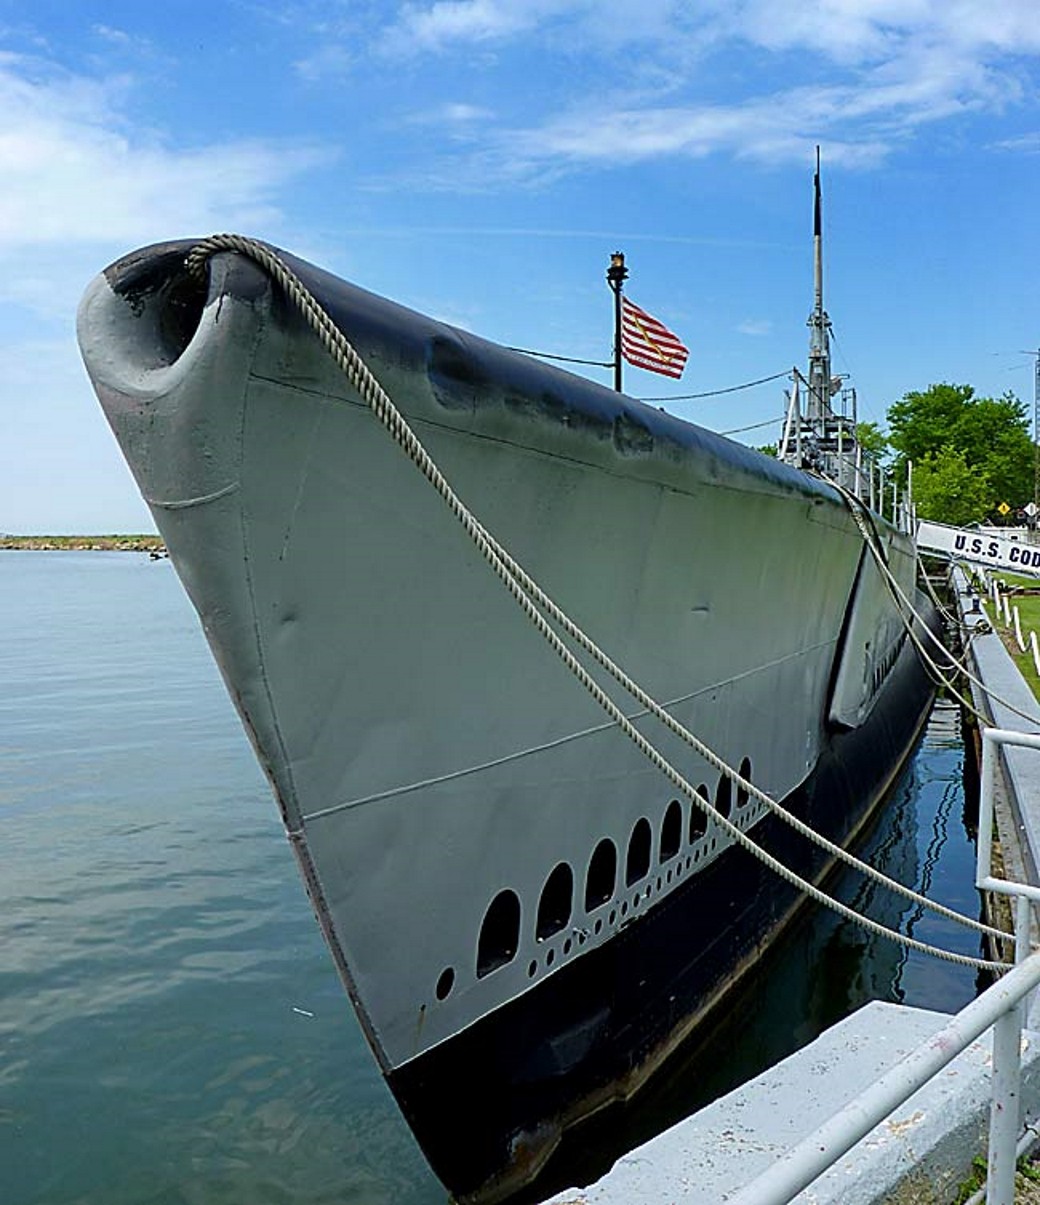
[499, 937]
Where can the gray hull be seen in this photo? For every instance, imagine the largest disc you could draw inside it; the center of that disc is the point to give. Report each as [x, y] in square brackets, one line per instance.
[451, 793]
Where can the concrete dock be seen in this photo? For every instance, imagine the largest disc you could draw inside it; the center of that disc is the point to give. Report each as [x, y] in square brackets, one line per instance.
[930, 1141]
[924, 1149]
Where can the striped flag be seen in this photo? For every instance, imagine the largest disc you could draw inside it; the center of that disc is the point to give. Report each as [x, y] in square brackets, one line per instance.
[649, 344]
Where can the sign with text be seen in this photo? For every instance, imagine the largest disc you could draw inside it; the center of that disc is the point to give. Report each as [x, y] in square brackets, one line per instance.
[997, 551]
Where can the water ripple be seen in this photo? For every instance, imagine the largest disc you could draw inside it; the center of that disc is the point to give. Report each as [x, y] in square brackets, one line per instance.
[156, 937]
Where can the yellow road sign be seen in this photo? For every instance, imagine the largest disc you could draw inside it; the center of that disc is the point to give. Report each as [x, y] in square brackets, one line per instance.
[1004, 508]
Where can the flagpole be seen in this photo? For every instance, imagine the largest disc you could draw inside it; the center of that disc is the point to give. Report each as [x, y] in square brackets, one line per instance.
[616, 275]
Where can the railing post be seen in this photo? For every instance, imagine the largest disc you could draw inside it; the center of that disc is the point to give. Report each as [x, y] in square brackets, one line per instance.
[1003, 1116]
[984, 838]
[1019, 640]
[1005, 1106]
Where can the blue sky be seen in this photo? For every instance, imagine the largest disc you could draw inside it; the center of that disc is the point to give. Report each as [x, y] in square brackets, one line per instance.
[479, 160]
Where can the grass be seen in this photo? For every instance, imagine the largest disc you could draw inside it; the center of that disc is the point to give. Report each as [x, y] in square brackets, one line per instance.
[1029, 617]
[1027, 1182]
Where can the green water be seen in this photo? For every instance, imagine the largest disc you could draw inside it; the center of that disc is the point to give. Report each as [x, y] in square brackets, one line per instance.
[155, 940]
[171, 1029]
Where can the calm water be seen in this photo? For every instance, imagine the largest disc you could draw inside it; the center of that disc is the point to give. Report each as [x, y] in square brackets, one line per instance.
[171, 1029]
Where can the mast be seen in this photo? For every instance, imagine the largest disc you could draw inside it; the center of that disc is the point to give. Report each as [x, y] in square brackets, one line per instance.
[818, 402]
[821, 439]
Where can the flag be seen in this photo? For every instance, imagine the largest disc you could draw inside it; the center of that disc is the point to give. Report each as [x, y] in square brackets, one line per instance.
[649, 344]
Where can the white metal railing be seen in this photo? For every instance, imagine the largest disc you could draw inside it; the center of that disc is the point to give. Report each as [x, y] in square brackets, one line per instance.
[1007, 1032]
[816, 1153]
[1000, 1007]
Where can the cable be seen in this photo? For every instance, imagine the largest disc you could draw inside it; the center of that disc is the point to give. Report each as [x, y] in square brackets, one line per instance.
[544, 355]
[754, 426]
[689, 397]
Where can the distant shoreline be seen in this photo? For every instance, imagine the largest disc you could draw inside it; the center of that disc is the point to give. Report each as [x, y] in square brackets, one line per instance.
[129, 543]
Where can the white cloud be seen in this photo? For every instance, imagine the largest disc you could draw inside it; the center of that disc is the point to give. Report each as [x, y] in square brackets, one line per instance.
[772, 128]
[121, 40]
[755, 326]
[452, 114]
[843, 30]
[1028, 144]
[445, 24]
[465, 21]
[74, 172]
[865, 75]
[332, 60]
[450, 22]
[458, 112]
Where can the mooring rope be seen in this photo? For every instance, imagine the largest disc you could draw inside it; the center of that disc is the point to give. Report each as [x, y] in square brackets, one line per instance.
[526, 592]
[908, 613]
[905, 609]
[951, 618]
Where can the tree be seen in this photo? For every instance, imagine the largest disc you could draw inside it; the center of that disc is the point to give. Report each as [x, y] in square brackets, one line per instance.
[922, 422]
[872, 440]
[990, 434]
[999, 429]
[948, 490]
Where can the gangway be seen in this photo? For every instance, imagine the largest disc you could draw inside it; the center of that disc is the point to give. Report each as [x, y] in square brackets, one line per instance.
[980, 547]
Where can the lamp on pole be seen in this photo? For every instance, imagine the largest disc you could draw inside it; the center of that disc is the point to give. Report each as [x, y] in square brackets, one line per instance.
[617, 273]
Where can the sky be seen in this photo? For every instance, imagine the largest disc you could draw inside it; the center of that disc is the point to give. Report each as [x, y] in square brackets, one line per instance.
[479, 160]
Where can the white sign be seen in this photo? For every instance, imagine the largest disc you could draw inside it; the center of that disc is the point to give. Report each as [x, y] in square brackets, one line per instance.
[980, 547]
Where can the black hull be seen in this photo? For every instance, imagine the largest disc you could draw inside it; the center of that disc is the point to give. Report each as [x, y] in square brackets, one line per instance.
[490, 1105]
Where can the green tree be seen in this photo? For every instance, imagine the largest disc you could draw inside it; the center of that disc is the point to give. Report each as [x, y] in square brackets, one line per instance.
[991, 435]
[999, 430]
[948, 490]
[922, 422]
[872, 440]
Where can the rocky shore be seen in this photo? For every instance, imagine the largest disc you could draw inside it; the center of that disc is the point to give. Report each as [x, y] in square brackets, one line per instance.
[126, 543]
